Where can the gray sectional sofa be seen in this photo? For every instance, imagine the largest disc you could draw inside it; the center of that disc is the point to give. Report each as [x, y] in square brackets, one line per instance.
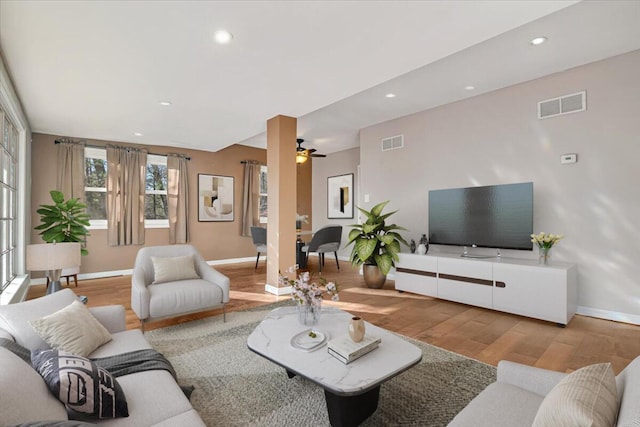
[154, 398]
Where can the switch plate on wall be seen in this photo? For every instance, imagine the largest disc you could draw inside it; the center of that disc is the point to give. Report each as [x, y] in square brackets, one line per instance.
[568, 158]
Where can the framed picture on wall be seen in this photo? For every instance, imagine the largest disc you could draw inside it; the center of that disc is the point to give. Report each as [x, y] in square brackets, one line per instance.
[215, 198]
[340, 196]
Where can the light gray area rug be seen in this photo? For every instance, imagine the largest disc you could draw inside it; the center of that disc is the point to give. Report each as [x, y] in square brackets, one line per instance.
[236, 387]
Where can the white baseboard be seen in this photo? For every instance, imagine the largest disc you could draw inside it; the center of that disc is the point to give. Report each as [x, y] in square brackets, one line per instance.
[616, 316]
[233, 260]
[85, 276]
[286, 290]
[340, 257]
[128, 272]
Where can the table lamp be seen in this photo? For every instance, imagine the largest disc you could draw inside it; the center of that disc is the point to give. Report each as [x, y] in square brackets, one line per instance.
[53, 257]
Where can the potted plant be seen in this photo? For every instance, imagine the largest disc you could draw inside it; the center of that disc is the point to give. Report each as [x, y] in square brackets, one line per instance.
[376, 245]
[64, 221]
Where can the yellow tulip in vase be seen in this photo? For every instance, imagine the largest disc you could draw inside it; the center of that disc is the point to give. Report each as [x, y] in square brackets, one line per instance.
[545, 242]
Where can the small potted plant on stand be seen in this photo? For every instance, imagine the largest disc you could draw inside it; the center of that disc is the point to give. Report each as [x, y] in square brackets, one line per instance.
[64, 221]
[376, 245]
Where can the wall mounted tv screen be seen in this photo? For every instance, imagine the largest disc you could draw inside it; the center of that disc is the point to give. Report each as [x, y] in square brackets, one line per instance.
[495, 216]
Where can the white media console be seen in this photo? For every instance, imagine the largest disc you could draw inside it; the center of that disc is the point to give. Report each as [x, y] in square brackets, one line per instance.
[518, 286]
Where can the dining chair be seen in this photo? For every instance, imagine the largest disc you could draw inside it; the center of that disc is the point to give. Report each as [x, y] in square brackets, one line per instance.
[259, 236]
[327, 239]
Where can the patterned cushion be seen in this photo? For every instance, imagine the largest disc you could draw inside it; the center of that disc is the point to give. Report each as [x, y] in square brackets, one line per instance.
[587, 397]
[86, 389]
[72, 329]
[170, 269]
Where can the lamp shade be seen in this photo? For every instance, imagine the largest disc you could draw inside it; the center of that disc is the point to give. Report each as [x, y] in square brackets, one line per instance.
[301, 157]
[53, 256]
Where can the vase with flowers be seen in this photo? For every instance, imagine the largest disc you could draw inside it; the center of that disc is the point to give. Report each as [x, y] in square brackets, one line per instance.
[545, 242]
[308, 295]
[300, 219]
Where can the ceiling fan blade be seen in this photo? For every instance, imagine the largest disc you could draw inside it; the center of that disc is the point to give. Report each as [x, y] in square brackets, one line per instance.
[308, 152]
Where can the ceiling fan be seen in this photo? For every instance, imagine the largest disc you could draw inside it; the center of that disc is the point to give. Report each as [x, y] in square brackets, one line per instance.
[303, 154]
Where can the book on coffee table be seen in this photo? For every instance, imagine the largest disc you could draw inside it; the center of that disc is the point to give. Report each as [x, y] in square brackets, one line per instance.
[346, 350]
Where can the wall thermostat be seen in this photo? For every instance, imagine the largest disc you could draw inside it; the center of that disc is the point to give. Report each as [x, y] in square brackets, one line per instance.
[568, 158]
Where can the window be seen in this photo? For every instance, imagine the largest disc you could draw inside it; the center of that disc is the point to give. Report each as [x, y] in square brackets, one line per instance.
[95, 190]
[263, 195]
[8, 200]
[156, 208]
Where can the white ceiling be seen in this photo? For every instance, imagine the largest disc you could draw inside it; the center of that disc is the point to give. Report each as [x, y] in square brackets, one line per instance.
[98, 69]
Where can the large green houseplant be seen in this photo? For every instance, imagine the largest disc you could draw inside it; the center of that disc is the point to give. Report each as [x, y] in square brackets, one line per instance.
[376, 245]
[64, 221]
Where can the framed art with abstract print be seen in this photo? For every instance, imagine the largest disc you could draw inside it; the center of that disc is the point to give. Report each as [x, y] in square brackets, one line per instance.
[215, 198]
[340, 196]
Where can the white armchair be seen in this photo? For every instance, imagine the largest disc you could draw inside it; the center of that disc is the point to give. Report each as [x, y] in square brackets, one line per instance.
[514, 399]
[153, 301]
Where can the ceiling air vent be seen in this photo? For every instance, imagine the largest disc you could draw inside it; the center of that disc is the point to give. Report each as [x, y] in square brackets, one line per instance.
[392, 142]
[562, 105]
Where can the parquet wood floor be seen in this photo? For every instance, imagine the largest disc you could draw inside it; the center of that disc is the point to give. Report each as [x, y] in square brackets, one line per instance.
[485, 335]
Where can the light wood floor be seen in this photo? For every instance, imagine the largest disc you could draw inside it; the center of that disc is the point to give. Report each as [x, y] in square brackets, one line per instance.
[485, 335]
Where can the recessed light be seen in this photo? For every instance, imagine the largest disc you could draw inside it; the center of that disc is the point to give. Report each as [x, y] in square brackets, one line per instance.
[390, 95]
[222, 36]
[165, 103]
[538, 41]
[469, 87]
[137, 134]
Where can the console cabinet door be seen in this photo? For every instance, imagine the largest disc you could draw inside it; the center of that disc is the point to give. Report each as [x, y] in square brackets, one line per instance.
[417, 283]
[417, 274]
[539, 292]
[466, 281]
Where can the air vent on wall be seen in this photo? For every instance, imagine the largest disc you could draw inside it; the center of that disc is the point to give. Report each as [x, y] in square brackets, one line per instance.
[392, 142]
[562, 105]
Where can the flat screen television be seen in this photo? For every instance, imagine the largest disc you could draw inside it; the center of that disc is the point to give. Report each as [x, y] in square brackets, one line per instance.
[494, 216]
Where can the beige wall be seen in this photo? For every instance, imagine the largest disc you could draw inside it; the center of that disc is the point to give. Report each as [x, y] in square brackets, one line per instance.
[305, 191]
[340, 163]
[497, 138]
[215, 240]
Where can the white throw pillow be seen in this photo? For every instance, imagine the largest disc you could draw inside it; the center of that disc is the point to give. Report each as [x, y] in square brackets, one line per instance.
[170, 269]
[587, 397]
[72, 329]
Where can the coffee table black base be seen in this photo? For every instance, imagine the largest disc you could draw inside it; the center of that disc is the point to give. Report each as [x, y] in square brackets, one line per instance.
[351, 411]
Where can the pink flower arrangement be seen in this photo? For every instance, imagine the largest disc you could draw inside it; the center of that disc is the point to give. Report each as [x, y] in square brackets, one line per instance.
[310, 293]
